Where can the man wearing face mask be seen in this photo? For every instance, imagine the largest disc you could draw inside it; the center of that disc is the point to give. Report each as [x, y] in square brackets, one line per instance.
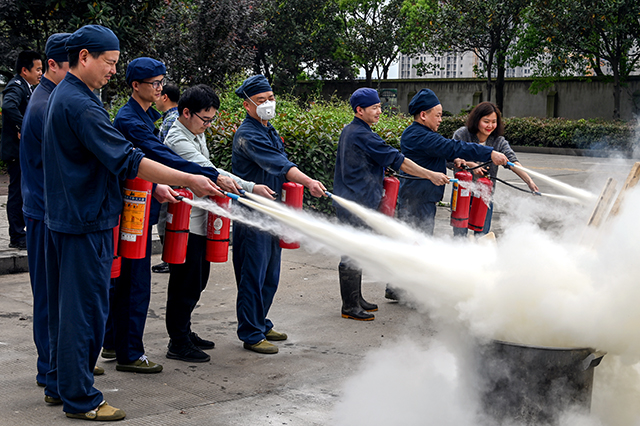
[259, 156]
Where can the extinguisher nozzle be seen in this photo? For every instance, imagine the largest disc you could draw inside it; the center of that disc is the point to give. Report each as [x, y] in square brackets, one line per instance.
[232, 196]
[241, 191]
[453, 180]
[510, 164]
[328, 194]
[178, 197]
[538, 194]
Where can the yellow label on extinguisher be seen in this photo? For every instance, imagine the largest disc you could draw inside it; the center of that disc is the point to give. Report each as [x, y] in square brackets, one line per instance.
[454, 198]
[135, 203]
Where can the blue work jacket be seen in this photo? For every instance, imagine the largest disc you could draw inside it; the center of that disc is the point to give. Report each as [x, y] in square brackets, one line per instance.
[84, 159]
[258, 154]
[32, 181]
[360, 164]
[431, 150]
[137, 126]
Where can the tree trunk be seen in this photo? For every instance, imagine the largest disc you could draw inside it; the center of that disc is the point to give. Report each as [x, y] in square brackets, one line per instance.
[617, 92]
[369, 76]
[500, 87]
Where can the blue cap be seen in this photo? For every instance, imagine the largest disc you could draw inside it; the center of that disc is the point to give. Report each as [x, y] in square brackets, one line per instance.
[253, 86]
[54, 49]
[141, 68]
[94, 38]
[364, 97]
[424, 100]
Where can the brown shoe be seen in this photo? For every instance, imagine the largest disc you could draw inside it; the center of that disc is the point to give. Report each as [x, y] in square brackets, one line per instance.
[262, 347]
[52, 401]
[98, 371]
[273, 335]
[104, 412]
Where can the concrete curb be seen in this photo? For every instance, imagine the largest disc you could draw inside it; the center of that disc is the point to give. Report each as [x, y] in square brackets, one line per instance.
[16, 262]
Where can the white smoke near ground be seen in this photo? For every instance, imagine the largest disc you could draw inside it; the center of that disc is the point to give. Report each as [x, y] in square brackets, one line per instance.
[537, 287]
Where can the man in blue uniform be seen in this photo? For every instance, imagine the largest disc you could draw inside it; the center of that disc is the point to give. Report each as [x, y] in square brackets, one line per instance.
[33, 197]
[15, 98]
[361, 161]
[132, 292]
[84, 159]
[417, 198]
[259, 156]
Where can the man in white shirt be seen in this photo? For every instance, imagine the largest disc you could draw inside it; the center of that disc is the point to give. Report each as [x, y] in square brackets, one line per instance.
[197, 107]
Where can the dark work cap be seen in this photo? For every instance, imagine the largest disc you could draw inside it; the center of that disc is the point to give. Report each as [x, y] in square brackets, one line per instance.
[424, 100]
[364, 97]
[54, 49]
[141, 68]
[253, 86]
[94, 38]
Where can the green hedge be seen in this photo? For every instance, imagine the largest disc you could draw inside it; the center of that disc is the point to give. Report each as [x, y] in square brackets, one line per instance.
[311, 132]
[560, 132]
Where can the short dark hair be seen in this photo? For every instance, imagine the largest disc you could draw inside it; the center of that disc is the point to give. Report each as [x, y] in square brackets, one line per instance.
[172, 91]
[74, 57]
[197, 98]
[25, 60]
[481, 110]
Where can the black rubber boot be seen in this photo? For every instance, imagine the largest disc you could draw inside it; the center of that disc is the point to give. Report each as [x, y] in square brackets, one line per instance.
[350, 281]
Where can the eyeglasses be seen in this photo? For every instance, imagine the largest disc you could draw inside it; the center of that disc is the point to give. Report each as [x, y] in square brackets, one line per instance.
[156, 84]
[205, 122]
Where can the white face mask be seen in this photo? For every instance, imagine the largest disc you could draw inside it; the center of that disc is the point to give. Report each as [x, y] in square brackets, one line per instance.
[266, 110]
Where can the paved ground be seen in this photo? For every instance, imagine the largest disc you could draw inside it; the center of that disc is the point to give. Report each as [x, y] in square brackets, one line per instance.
[299, 386]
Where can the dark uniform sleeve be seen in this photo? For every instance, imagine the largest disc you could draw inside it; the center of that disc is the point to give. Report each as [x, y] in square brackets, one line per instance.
[159, 152]
[97, 135]
[383, 154]
[11, 100]
[264, 154]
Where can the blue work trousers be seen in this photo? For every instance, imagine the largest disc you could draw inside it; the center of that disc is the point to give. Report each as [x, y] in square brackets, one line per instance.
[36, 230]
[186, 283]
[130, 299]
[78, 270]
[256, 263]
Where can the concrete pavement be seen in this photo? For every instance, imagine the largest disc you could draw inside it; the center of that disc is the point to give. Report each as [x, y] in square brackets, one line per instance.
[299, 386]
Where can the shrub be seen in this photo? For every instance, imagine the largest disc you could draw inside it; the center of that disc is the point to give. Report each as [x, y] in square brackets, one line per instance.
[311, 132]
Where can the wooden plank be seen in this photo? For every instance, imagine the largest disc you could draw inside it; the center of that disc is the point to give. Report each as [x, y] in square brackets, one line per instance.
[603, 204]
[632, 180]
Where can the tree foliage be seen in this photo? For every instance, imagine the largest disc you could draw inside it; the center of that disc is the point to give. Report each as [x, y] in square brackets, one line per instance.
[301, 39]
[28, 25]
[578, 36]
[487, 28]
[372, 33]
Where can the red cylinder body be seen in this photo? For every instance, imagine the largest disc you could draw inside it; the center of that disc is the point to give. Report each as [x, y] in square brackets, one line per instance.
[479, 207]
[292, 194]
[176, 235]
[134, 222]
[218, 234]
[460, 200]
[116, 266]
[390, 188]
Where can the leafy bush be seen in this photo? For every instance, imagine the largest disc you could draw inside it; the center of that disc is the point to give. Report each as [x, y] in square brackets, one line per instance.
[311, 132]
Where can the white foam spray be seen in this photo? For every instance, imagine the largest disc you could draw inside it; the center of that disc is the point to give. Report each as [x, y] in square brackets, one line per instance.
[530, 288]
[571, 190]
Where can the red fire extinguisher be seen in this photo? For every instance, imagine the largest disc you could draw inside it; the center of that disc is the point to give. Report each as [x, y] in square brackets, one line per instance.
[478, 206]
[134, 222]
[460, 200]
[390, 188]
[116, 265]
[176, 234]
[292, 194]
[218, 233]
